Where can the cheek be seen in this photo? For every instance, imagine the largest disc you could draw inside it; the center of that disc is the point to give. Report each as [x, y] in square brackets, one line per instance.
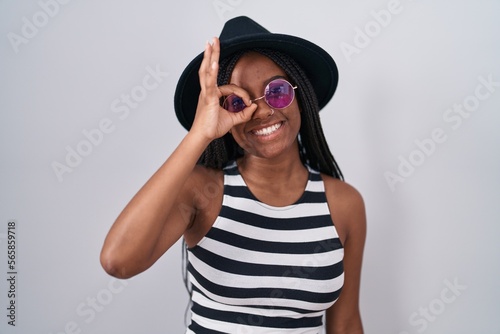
[295, 116]
[236, 132]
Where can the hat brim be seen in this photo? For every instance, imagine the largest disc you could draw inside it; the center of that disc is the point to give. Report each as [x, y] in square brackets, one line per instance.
[318, 65]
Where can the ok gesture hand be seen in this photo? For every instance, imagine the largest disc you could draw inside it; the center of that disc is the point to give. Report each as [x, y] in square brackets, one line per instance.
[211, 120]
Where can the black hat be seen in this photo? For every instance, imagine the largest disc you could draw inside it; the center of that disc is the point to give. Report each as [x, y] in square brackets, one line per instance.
[242, 33]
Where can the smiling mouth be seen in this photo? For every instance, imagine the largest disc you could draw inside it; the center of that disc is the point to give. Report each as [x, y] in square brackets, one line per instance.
[267, 131]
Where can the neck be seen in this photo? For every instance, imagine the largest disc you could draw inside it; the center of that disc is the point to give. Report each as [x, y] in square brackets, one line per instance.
[276, 170]
[277, 181]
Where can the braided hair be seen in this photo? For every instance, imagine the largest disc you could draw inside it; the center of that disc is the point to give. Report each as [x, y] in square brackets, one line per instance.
[313, 148]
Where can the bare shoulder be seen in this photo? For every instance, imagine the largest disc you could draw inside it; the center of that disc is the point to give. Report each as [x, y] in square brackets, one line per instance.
[342, 193]
[346, 206]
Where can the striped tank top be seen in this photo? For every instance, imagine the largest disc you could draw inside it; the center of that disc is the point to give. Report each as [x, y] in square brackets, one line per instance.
[266, 269]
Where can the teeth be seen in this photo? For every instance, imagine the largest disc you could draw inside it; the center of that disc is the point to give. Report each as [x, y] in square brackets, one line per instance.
[268, 130]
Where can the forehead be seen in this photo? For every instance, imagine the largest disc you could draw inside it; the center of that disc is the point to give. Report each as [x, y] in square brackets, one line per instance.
[253, 66]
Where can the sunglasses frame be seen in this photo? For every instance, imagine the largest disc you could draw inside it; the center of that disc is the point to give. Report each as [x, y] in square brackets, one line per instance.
[264, 96]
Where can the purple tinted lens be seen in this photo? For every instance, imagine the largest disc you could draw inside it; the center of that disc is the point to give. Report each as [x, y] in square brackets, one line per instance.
[233, 103]
[279, 94]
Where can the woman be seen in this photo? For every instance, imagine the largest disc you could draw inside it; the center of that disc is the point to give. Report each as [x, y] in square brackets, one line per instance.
[275, 237]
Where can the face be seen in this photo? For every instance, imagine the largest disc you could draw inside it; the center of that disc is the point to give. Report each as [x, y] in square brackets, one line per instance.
[265, 135]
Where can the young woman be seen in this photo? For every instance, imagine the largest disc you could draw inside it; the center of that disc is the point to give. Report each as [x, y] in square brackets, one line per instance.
[274, 235]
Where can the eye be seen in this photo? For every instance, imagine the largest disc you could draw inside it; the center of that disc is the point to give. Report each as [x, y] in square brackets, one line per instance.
[279, 94]
[275, 90]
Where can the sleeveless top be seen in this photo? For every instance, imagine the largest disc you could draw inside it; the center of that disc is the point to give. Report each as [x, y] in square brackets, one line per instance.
[266, 269]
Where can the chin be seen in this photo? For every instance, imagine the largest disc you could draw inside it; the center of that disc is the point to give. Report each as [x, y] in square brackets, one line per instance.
[272, 152]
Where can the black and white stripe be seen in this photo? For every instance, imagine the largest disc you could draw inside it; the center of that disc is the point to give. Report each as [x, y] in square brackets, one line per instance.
[265, 269]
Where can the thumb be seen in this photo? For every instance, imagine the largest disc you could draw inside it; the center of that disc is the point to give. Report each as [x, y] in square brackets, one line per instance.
[245, 115]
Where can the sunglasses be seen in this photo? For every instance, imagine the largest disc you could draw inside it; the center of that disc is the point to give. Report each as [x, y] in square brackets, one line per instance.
[278, 94]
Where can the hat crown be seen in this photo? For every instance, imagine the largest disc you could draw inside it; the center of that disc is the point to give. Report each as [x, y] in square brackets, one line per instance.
[241, 26]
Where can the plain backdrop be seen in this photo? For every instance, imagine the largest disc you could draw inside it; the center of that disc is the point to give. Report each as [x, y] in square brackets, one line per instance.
[86, 116]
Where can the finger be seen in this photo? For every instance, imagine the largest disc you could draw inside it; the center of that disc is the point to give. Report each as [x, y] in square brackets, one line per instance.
[210, 69]
[227, 90]
[213, 70]
[215, 52]
[245, 115]
[205, 63]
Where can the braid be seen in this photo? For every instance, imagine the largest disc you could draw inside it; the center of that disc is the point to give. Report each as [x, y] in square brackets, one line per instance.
[313, 148]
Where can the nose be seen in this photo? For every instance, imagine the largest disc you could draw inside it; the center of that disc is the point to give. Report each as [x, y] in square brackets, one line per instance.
[263, 110]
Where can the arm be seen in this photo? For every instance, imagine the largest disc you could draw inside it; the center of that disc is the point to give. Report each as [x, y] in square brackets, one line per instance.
[348, 213]
[151, 223]
[148, 226]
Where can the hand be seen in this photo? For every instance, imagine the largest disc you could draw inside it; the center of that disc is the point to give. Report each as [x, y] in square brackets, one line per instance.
[211, 120]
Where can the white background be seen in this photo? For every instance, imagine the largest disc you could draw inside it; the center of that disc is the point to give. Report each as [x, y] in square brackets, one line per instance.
[438, 227]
